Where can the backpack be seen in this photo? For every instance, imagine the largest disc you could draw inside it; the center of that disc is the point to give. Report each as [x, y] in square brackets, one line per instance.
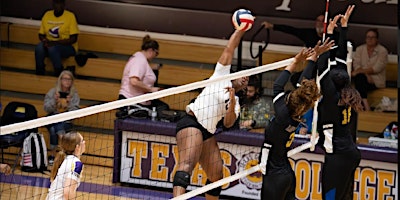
[16, 112]
[34, 154]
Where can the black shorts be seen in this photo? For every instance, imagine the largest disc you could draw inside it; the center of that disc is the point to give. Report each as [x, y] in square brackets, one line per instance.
[191, 121]
[279, 186]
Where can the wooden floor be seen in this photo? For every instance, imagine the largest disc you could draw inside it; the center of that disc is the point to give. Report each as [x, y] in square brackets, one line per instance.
[96, 184]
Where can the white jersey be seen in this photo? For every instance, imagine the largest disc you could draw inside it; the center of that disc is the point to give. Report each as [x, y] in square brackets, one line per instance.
[71, 168]
[211, 104]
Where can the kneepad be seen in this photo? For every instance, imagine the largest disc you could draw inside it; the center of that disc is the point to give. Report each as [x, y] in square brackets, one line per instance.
[214, 192]
[181, 179]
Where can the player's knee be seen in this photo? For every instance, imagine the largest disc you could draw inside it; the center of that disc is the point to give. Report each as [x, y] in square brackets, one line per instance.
[214, 192]
[181, 179]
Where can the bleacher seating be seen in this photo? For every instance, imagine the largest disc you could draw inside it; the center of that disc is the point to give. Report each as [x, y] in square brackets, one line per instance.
[170, 75]
[193, 52]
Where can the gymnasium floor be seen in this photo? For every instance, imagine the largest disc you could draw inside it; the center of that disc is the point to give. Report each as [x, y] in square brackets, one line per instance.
[96, 184]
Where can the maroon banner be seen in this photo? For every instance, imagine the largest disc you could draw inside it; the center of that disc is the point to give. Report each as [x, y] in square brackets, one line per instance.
[378, 12]
[212, 18]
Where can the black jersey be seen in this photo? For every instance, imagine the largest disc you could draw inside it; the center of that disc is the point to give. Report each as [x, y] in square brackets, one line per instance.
[280, 131]
[334, 119]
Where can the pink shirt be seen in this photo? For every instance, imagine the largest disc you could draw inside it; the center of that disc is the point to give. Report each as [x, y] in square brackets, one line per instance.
[139, 67]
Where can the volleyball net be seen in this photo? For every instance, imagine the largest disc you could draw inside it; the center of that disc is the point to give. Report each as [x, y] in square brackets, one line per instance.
[116, 148]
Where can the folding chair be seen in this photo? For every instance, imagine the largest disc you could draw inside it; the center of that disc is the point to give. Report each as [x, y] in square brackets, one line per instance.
[16, 112]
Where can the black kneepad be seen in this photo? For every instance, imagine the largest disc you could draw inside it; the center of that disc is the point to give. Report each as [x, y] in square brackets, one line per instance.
[181, 179]
[214, 192]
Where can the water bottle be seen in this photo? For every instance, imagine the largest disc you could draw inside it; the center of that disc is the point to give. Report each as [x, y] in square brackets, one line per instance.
[153, 114]
[386, 134]
[394, 132]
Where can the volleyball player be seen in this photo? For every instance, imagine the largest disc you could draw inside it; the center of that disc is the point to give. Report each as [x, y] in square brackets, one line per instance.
[335, 111]
[66, 173]
[279, 180]
[195, 132]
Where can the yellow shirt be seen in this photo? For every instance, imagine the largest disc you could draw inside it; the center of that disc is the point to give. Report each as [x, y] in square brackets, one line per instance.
[59, 28]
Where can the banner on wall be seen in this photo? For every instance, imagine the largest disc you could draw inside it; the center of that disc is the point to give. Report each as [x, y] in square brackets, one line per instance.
[305, 9]
[150, 159]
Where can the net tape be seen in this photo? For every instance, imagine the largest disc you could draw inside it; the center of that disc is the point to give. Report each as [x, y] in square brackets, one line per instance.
[12, 128]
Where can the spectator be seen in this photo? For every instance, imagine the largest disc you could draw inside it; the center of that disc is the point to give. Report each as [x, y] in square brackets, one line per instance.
[5, 169]
[58, 37]
[369, 66]
[309, 36]
[256, 109]
[61, 98]
[67, 171]
[138, 77]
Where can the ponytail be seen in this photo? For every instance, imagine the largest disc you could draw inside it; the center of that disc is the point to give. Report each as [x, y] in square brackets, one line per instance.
[68, 144]
[57, 163]
[351, 97]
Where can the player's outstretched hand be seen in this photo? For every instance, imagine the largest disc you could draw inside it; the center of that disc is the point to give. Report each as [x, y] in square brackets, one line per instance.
[324, 47]
[332, 24]
[345, 19]
[303, 54]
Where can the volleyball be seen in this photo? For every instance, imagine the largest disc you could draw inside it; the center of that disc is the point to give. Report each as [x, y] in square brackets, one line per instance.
[242, 19]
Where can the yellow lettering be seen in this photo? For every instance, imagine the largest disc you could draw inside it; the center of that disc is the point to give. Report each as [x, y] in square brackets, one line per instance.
[385, 179]
[368, 177]
[159, 170]
[227, 160]
[199, 176]
[289, 142]
[316, 192]
[303, 179]
[356, 182]
[176, 158]
[137, 150]
[346, 115]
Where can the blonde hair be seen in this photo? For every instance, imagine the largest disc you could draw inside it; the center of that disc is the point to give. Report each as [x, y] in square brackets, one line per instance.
[68, 144]
[72, 89]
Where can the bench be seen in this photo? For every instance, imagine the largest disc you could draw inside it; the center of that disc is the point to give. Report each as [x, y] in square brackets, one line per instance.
[117, 44]
[87, 89]
[375, 96]
[392, 70]
[370, 121]
[169, 75]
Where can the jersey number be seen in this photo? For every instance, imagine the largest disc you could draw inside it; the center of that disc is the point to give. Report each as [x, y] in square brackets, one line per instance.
[289, 142]
[346, 115]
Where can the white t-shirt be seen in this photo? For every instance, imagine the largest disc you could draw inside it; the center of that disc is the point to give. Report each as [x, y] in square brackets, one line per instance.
[71, 168]
[211, 104]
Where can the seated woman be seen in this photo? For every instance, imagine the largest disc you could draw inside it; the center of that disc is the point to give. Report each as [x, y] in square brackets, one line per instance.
[62, 98]
[138, 77]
